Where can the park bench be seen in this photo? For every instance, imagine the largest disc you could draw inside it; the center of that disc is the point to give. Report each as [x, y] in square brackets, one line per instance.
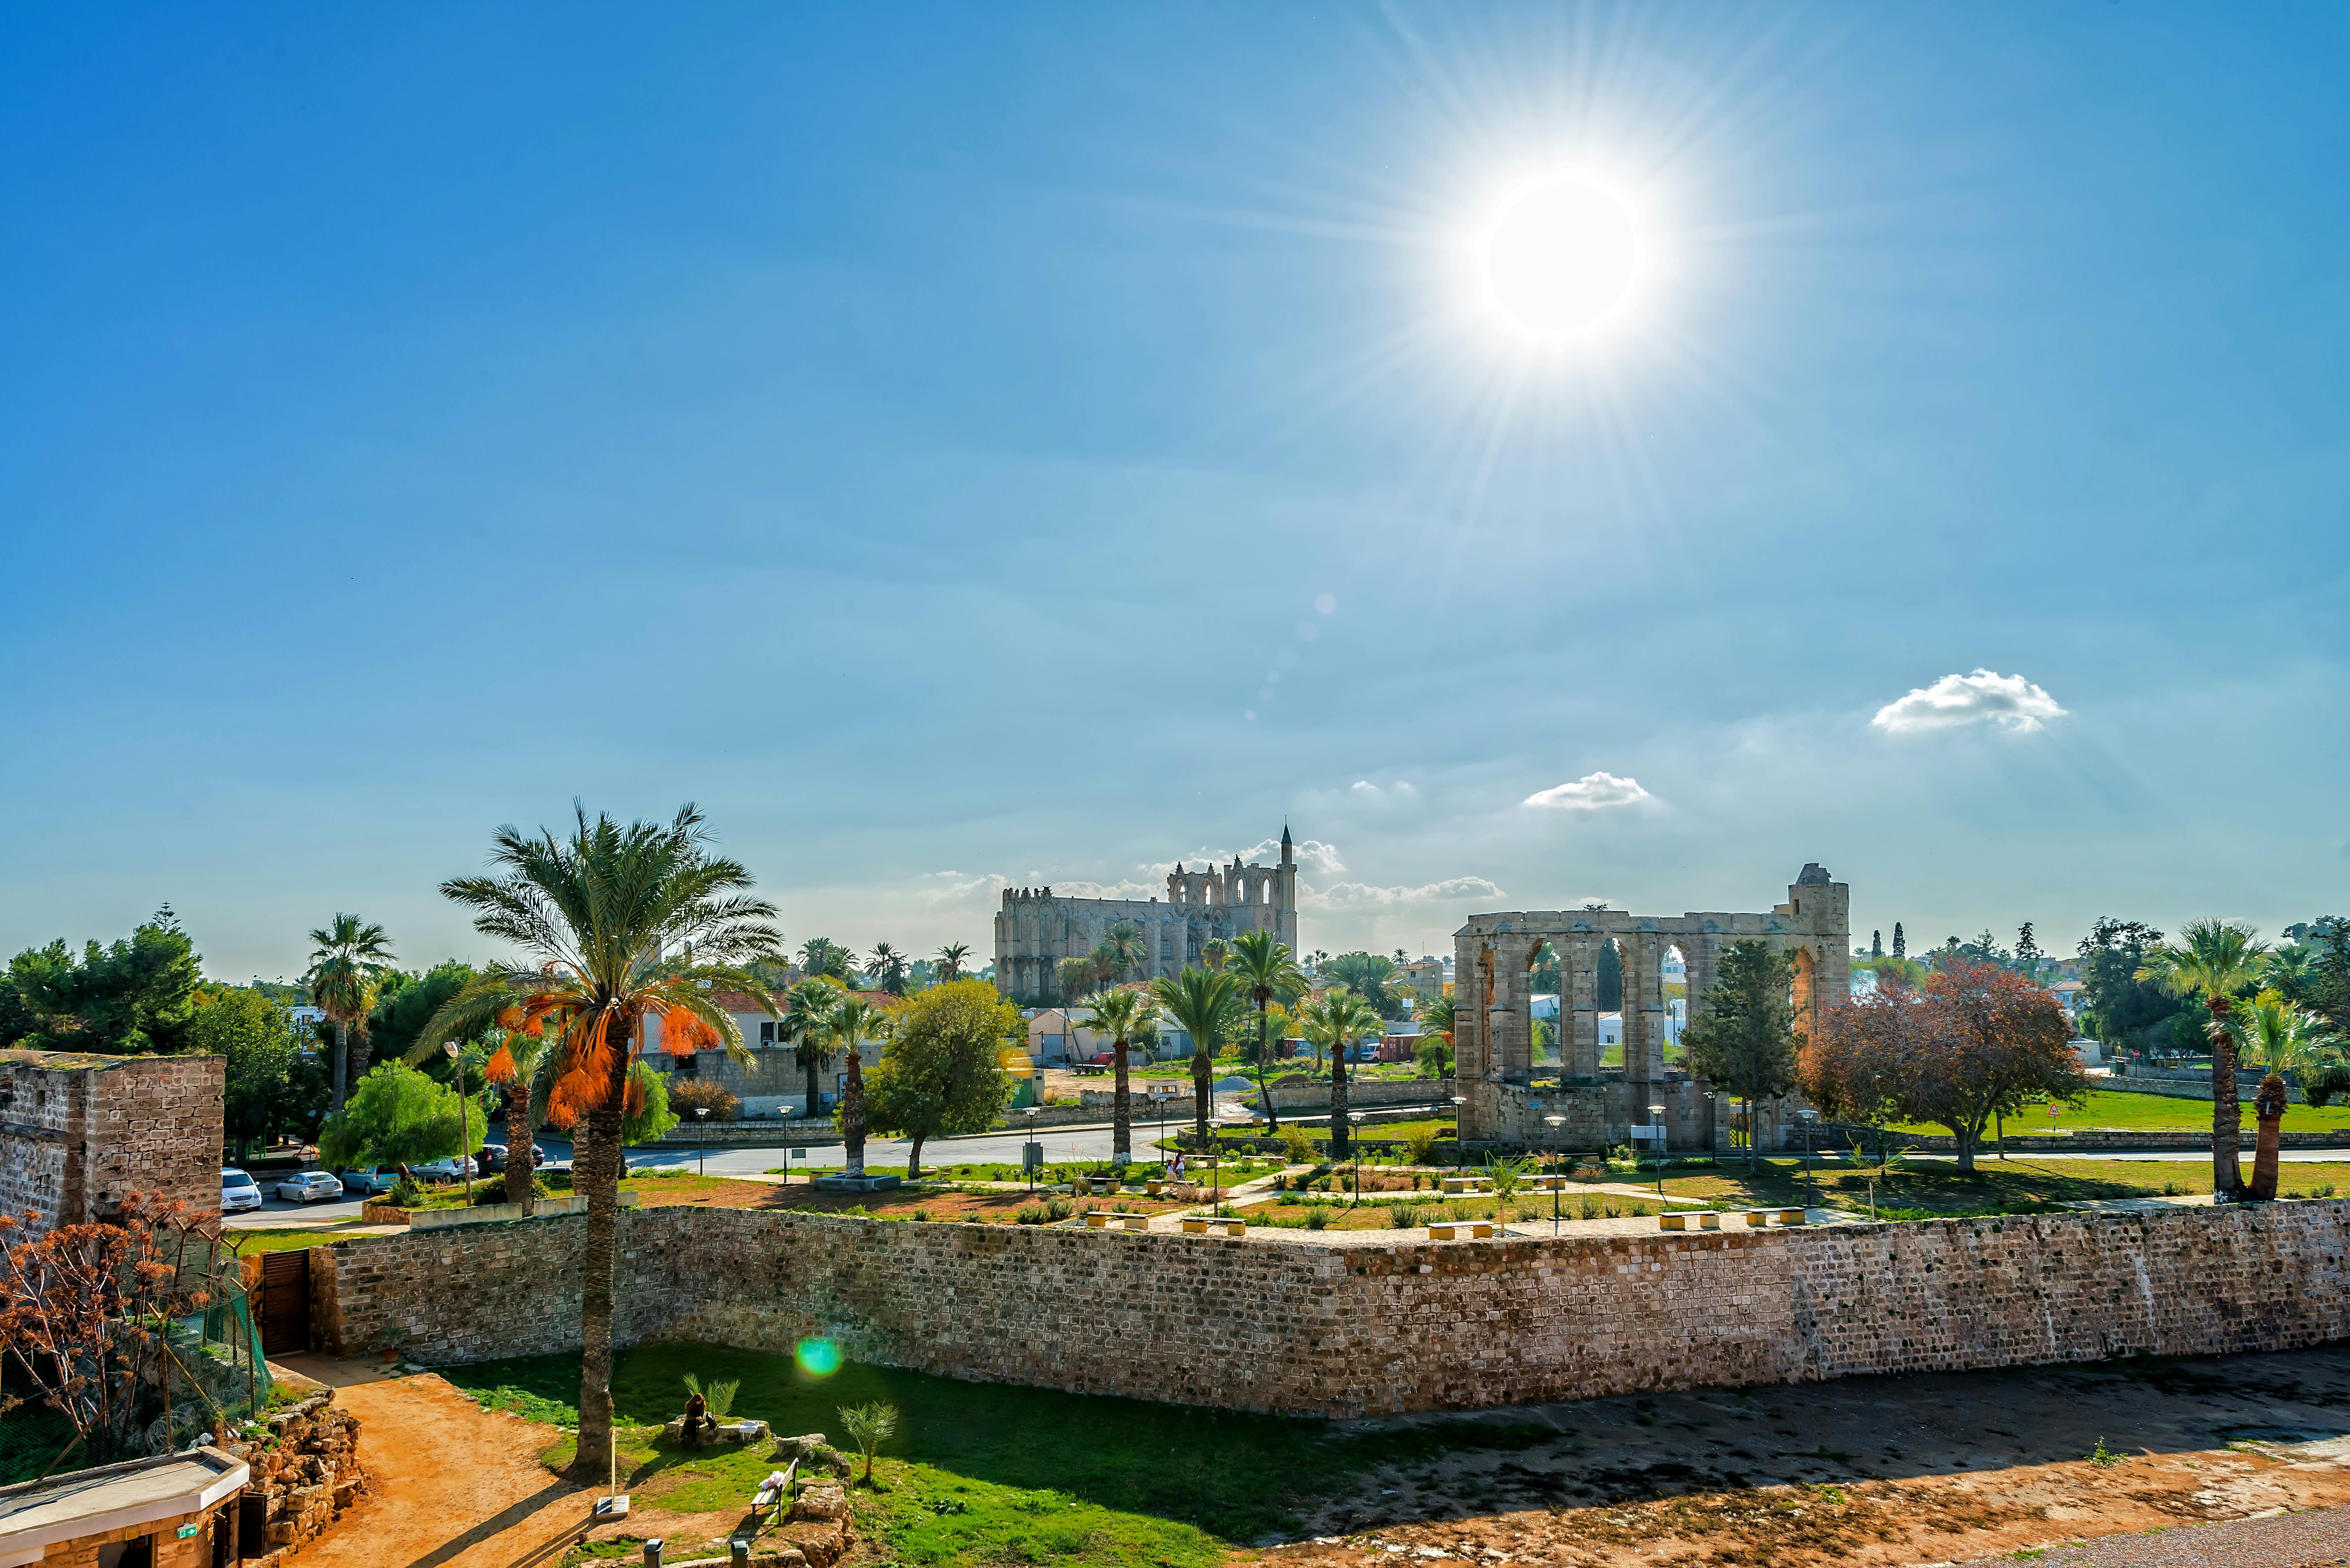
[1679, 1220]
[1460, 1231]
[1098, 1221]
[1468, 1184]
[776, 1491]
[1203, 1227]
[1759, 1217]
[1548, 1184]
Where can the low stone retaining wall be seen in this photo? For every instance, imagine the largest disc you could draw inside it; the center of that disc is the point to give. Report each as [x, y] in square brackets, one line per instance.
[374, 1213]
[2193, 1086]
[1308, 1329]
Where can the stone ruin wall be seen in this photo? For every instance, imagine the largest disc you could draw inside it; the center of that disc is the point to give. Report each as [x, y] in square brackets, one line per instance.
[81, 1133]
[1306, 1329]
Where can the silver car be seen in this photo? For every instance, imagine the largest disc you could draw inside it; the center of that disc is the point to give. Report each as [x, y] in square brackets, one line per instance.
[239, 1191]
[309, 1187]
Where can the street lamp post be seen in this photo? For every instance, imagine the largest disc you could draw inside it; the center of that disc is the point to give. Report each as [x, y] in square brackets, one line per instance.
[1355, 1142]
[1555, 1123]
[1033, 1155]
[1657, 1122]
[701, 1140]
[464, 1124]
[1809, 1116]
[1458, 1101]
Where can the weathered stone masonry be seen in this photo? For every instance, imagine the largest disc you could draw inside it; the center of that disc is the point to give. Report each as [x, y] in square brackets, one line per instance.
[1340, 1331]
[79, 1133]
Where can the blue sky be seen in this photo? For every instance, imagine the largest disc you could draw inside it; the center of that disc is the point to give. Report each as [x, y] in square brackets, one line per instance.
[963, 444]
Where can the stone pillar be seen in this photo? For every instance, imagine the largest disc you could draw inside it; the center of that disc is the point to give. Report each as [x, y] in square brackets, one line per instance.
[1638, 1056]
[1579, 1014]
[1510, 1010]
[1649, 1002]
[1468, 1031]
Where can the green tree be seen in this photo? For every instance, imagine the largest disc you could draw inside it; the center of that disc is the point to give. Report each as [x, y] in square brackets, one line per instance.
[347, 971]
[950, 959]
[17, 1020]
[2214, 958]
[131, 997]
[889, 968]
[1365, 975]
[1744, 1039]
[407, 1003]
[1267, 973]
[257, 1038]
[1337, 1019]
[616, 924]
[396, 1116]
[943, 1073]
[1125, 949]
[1197, 1000]
[822, 955]
[2121, 1006]
[1434, 1055]
[2284, 1038]
[1118, 1013]
[807, 1024]
[852, 1023]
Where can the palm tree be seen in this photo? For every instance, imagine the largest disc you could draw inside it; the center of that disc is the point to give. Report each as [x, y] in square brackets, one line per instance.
[853, 1022]
[1125, 949]
[2217, 958]
[597, 915]
[807, 1024]
[1265, 968]
[1116, 1013]
[1339, 1018]
[888, 967]
[1196, 1001]
[345, 972]
[950, 959]
[2285, 1038]
[519, 1065]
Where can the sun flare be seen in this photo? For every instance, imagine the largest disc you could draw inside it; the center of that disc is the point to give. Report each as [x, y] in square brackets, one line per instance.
[1562, 258]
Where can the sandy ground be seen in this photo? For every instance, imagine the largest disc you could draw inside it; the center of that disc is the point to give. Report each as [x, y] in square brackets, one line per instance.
[1879, 1471]
[450, 1485]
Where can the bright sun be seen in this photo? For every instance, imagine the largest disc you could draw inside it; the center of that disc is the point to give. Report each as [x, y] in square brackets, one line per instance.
[1562, 258]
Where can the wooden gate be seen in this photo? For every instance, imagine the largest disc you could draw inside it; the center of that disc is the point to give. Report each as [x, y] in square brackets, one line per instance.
[285, 1303]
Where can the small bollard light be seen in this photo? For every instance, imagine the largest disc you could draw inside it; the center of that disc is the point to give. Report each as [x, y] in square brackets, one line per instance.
[652, 1553]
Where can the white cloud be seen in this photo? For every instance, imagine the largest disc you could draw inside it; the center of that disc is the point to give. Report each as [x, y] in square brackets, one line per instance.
[1361, 896]
[2011, 701]
[1592, 792]
[957, 888]
[1312, 855]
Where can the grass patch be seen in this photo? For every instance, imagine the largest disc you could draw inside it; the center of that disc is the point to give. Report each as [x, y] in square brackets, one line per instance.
[2126, 1112]
[253, 1243]
[1935, 1189]
[985, 1473]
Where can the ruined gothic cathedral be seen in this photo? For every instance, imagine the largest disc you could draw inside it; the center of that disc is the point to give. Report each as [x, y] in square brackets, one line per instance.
[1034, 930]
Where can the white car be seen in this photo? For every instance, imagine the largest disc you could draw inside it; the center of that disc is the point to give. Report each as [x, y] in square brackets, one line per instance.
[309, 1187]
[238, 1190]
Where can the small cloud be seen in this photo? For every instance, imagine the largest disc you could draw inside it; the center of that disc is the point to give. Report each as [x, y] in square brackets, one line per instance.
[957, 888]
[1367, 786]
[2011, 701]
[1362, 896]
[1592, 792]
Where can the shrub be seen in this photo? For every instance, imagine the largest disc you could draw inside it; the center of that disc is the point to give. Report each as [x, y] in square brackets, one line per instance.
[1420, 1146]
[869, 1426]
[1405, 1216]
[687, 1096]
[1030, 1214]
[1281, 1181]
[1297, 1144]
[1588, 1205]
[405, 1193]
[1058, 1209]
[1318, 1217]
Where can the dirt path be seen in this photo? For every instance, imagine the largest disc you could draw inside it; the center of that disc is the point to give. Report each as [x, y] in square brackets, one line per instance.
[1875, 1471]
[450, 1485]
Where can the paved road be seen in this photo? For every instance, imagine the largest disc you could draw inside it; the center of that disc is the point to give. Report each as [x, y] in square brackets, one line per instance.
[1062, 1142]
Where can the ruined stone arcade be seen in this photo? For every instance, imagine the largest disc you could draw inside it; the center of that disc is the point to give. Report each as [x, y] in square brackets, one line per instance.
[1509, 1092]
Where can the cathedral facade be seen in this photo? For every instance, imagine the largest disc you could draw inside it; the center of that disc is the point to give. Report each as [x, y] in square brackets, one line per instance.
[1034, 930]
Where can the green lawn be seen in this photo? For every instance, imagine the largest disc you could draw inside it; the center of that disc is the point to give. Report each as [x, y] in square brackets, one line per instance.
[986, 1473]
[2016, 1186]
[2146, 1113]
[250, 1242]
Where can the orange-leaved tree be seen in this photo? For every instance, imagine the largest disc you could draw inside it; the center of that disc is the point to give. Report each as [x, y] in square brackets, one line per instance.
[621, 924]
[1977, 1042]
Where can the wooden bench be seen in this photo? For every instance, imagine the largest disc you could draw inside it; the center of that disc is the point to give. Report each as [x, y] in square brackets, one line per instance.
[1460, 1231]
[1679, 1220]
[1468, 1184]
[1098, 1221]
[1197, 1227]
[776, 1491]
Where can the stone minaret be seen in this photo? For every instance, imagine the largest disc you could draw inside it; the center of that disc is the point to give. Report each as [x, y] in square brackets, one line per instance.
[1285, 895]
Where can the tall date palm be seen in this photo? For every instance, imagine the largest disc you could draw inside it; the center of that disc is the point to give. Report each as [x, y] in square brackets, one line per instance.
[2215, 959]
[1119, 1014]
[346, 974]
[853, 1022]
[1197, 1000]
[807, 1024]
[600, 914]
[1267, 971]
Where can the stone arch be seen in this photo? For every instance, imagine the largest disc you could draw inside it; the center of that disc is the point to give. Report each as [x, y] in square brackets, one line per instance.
[1546, 974]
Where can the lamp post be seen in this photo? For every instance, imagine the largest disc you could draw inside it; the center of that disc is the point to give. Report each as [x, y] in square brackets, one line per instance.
[1809, 1116]
[1555, 1123]
[701, 1140]
[1355, 1144]
[1458, 1101]
[464, 1124]
[1657, 1122]
[1032, 1156]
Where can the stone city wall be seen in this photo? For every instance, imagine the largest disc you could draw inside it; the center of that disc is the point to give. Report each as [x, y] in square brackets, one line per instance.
[80, 1132]
[1309, 1329]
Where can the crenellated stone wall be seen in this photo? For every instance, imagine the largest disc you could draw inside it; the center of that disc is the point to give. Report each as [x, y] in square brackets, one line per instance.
[1311, 1329]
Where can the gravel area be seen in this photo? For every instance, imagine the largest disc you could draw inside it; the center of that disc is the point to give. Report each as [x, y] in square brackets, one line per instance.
[2307, 1540]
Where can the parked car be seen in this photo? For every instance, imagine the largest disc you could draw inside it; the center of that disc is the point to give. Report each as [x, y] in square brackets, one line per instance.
[457, 1168]
[309, 1186]
[1103, 1059]
[238, 1190]
[493, 1157]
[369, 1181]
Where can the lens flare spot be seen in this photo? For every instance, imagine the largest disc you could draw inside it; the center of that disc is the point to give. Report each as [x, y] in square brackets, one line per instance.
[817, 1357]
